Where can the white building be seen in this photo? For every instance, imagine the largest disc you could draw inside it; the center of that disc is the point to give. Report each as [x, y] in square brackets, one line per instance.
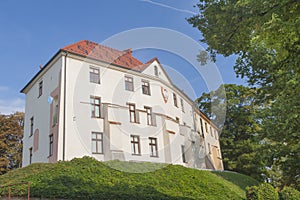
[92, 100]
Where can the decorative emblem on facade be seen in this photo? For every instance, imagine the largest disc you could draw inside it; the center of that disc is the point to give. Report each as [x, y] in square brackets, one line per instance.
[165, 94]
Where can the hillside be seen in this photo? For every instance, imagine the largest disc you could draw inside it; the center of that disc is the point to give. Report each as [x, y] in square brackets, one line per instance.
[87, 178]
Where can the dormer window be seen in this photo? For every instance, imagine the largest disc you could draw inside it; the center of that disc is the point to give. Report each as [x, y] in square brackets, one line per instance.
[155, 70]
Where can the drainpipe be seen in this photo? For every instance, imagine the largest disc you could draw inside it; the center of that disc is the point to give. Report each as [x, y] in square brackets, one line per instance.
[64, 117]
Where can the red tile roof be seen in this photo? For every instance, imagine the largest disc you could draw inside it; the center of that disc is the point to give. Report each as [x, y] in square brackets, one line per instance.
[99, 52]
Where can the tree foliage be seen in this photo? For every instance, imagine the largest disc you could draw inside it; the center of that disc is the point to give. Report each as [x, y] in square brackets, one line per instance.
[239, 139]
[11, 133]
[265, 37]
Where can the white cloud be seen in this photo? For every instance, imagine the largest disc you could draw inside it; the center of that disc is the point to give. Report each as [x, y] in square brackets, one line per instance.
[170, 7]
[3, 88]
[9, 106]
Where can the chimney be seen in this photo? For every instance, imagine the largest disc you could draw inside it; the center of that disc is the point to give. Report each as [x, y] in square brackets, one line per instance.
[129, 51]
[41, 66]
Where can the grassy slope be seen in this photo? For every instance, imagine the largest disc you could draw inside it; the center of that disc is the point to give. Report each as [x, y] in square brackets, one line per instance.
[87, 178]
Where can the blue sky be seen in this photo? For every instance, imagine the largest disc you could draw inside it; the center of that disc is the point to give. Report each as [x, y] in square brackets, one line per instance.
[33, 31]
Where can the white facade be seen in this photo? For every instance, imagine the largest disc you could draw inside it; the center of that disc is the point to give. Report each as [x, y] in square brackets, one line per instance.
[60, 123]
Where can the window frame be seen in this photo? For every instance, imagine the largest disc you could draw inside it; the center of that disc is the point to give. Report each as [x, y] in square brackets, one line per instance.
[146, 87]
[94, 73]
[153, 147]
[40, 88]
[31, 126]
[149, 115]
[97, 141]
[132, 113]
[135, 145]
[182, 105]
[129, 84]
[30, 155]
[155, 70]
[95, 105]
[175, 100]
[51, 140]
[183, 156]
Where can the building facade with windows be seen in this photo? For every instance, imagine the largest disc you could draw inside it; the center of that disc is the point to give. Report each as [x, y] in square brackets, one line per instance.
[92, 100]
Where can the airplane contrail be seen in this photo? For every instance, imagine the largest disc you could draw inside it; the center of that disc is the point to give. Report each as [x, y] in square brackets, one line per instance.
[170, 7]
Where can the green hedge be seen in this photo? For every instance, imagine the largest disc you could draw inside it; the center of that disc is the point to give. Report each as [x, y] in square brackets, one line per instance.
[264, 191]
[289, 193]
[86, 178]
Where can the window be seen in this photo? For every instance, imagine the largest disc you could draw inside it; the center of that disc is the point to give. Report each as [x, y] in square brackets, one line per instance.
[30, 155]
[97, 143]
[155, 71]
[95, 106]
[40, 88]
[94, 75]
[206, 129]
[175, 99]
[55, 114]
[149, 115]
[201, 124]
[51, 145]
[209, 148]
[145, 87]
[153, 147]
[133, 114]
[128, 83]
[177, 119]
[135, 145]
[31, 126]
[211, 132]
[216, 134]
[183, 154]
[182, 105]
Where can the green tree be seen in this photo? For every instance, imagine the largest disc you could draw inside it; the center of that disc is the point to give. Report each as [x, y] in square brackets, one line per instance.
[239, 140]
[265, 37]
[11, 133]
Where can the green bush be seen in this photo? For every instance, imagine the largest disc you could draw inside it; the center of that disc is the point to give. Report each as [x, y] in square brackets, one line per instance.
[252, 193]
[87, 178]
[264, 191]
[289, 193]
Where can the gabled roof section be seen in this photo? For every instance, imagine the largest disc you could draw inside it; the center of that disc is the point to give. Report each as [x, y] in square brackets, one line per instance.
[103, 53]
[149, 69]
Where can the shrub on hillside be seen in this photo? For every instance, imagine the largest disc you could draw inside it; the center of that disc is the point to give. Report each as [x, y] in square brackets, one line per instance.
[289, 193]
[264, 191]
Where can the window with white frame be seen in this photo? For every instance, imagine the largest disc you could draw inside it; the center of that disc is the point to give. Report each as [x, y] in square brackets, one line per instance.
[145, 87]
[95, 106]
[94, 75]
[129, 83]
[153, 147]
[149, 115]
[135, 145]
[97, 143]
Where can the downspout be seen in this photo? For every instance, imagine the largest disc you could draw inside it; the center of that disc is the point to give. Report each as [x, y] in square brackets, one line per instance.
[64, 118]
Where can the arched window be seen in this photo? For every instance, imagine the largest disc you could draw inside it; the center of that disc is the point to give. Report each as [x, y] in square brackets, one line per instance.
[155, 71]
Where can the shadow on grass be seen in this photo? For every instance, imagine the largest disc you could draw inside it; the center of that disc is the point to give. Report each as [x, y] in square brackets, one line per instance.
[240, 180]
